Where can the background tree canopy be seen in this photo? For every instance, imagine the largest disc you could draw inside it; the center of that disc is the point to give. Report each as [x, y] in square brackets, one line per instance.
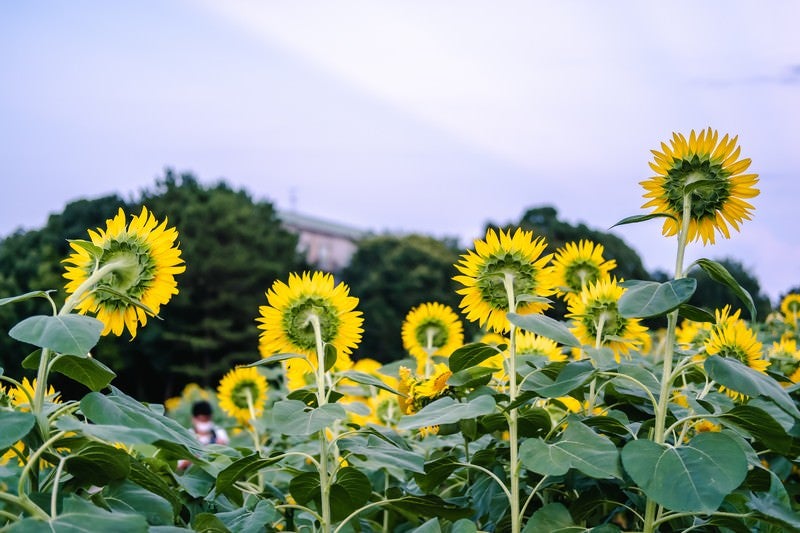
[235, 248]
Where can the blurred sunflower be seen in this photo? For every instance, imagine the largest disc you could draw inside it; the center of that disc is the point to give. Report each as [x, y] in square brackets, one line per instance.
[240, 390]
[21, 395]
[790, 307]
[732, 338]
[141, 260]
[691, 334]
[417, 393]
[287, 322]
[531, 344]
[578, 264]
[712, 168]
[485, 270]
[594, 314]
[431, 329]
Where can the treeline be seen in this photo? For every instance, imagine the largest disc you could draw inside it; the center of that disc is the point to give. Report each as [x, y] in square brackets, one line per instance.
[235, 248]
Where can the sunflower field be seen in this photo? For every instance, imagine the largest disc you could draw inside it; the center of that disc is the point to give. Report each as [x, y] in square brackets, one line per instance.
[598, 422]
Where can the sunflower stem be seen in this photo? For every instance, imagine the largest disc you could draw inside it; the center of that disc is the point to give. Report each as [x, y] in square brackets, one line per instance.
[669, 351]
[429, 350]
[322, 399]
[513, 415]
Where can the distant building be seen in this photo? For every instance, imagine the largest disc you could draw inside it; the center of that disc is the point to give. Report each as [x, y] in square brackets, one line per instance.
[326, 245]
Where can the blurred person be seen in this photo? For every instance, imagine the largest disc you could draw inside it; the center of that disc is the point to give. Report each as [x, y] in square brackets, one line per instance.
[204, 429]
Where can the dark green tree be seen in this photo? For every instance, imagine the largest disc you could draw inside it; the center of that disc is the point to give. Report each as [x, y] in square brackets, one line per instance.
[390, 275]
[712, 295]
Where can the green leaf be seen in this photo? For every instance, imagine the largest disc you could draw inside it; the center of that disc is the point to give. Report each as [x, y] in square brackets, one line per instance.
[153, 482]
[431, 526]
[85, 370]
[276, 358]
[693, 478]
[81, 516]
[474, 376]
[774, 506]
[350, 490]
[68, 334]
[695, 314]
[579, 447]
[546, 327]
[23, 297]
[241, 469]
[642, 218]
[329, 356]
[430, 505]
[464, 526]
[16, 425]
[471, 355]
[293, 417]
[720, 274]
[242, 520]
[603, 358]
[305, 487]
[367, 379]
[98, 464]
[208, 523]
[381, 454]
[737, 376]
[94, 250]
[571, 377]
[446, 410]
[645, 299]
[553, 518]
[760, 425]
[436, 473]
[127, 497]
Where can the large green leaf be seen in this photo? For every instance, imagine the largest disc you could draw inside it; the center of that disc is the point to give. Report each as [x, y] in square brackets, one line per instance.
[16, 425]
[98, 464]
[431, 526]
[720, 274]
[293, 417]
[572, 376]
[739, 377]
[242, 520]
[378, 453]
[153, 482]
[447, 411]
[645, 299]
[760, 425]
[579, 447]
[81, 516]
[305, 487]
[546, 327]
[241, 469]
[68, 334]
[470, 355]
[127, 497]
[641, 218]
[276, 358]
[429, 505]
[85, 370]
[351, 489]
[693, 478]
[553, 517]
[23, 297]
[367, 379]
[474, 376]
[436, 473]
[208, 523]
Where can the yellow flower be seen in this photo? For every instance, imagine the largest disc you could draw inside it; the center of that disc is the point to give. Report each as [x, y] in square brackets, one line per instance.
[578, 264]
[241, 390]
[417, 393]
[790, 307]
[147, 260]
[531, 344]
[286, 323]
[595, 310]
[298, 373]
[703, 426]
[434, 386]
[732, 338]
[484, 272]
[692, 334]
[22, 395]
[721, 186]
[431, 329]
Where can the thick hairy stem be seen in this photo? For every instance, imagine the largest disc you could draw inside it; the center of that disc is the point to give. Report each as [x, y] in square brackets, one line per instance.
[513, 415]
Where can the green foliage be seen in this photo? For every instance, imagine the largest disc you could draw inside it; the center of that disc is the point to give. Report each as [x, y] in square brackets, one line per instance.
[713, 293]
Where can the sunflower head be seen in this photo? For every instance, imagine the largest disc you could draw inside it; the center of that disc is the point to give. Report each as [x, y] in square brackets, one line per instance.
[498, 259]
[595, 314]
[732, 338]
[20, 396]
[242, 393]
[531, 344]
[287, 323]
[790, 307]
[431, 329]
[709, 170]
[578, 264]
[140, 261]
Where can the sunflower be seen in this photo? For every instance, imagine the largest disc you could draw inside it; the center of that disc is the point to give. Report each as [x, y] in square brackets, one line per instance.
[790, 307]
[142, 259]
[417, 393]
[239, 390]
[531, 344]
[484, 272]
[287, 322]
[595, 310]
[732, 338]
[691, 334]
[431, 329]
[578, 264]
[712, 166]
[21, 395]
[298, 373]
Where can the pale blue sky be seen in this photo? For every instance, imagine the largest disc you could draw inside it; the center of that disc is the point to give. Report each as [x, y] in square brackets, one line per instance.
[423, 116]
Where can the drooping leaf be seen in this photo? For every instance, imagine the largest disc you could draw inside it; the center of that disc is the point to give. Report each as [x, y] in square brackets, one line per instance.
[695, 314]
[16, 425]
[367, 379]
[381, 454]
[275, 359]
[23, 297]
[430, 505]
[293, 417]
[642, 218]
[305, 487]
[553, 517]
[760, 425]
[85, 370]
[572, 376]
[126, 497]
[447, 410]
[241, 469]
[579, 447]
[98, 464]
[242, 520]
[694, 477]
[329, 351]
[471, 355]
[67, 334]
[720, 274]
[546, 327]
[474, 376]
[650, 298]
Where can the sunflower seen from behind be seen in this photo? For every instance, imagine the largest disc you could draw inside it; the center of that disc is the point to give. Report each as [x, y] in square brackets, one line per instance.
[718, 186]
[125, 272]
[430, 329]
[286, 324]
[577, 264]
[733, 338]
[485, 271]
[242, 393]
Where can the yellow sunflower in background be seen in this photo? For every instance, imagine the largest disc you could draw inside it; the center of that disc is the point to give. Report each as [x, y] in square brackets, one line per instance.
[419, 392]
[531, 344]
[21, 396]
[431, 329]
[718, 200]
[240, 390]
[144, 259]
[483, 274]
[732, 338]
[790, 307]
[595, 310]
[298, 373]
[578, 264]
[691, 334]
[286, 323]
